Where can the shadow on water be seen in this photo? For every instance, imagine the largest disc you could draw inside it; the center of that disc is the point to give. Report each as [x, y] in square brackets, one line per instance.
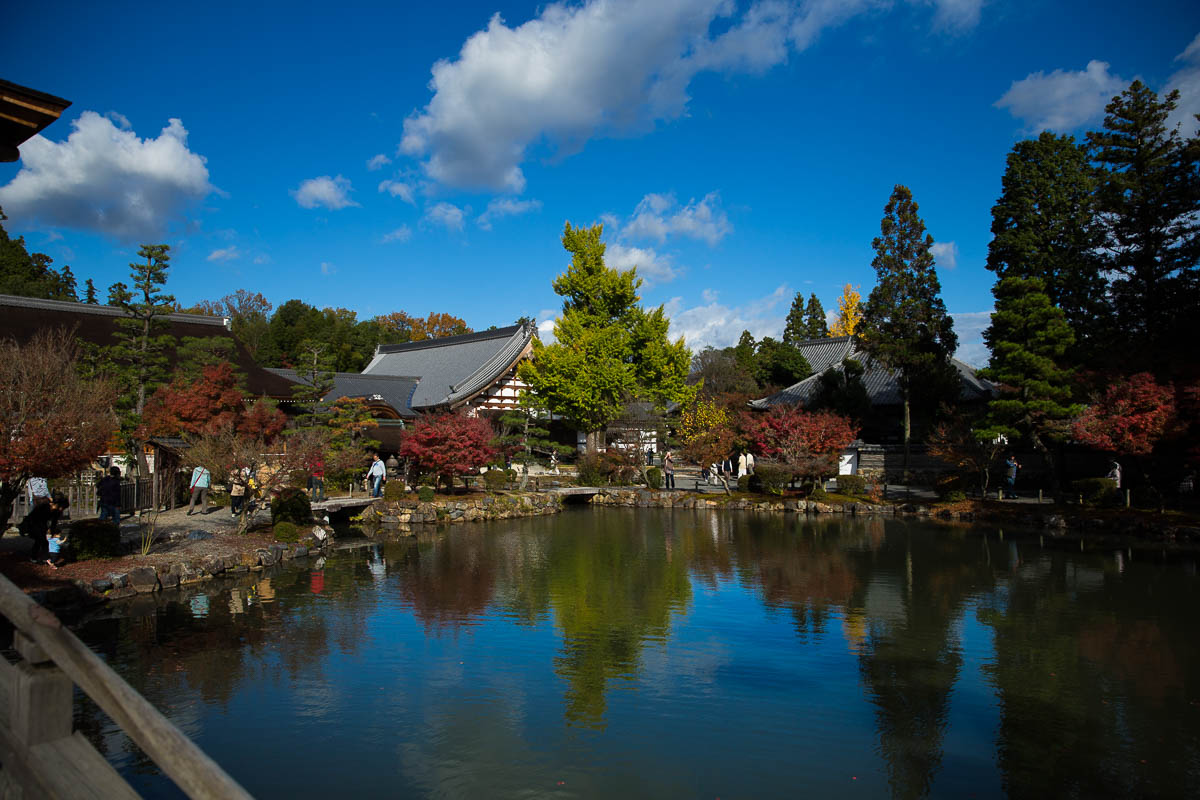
[644, 652]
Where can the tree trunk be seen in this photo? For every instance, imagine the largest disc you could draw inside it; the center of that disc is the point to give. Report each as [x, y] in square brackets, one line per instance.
[593, 441]
[907, 438]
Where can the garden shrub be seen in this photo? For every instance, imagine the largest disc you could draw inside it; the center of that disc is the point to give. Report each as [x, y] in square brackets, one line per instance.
[852, 485]
[654, 478]
[747, 483]
[1096, 491]
[954, 496]
[91, 538]
[425, 494]
[286, 532]
[291, 505]
[817, 494]
[949, 483]
[589, 470]
[496, 479]
[393, 490]
[769, 478]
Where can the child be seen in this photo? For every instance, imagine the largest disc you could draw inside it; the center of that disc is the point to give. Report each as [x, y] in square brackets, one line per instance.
[56, 541]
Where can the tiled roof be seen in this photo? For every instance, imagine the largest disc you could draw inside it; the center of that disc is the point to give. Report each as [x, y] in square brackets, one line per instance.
[395, 390]
[881, 383]
[453, 369]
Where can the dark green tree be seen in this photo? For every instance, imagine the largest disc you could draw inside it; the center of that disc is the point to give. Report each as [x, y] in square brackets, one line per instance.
[842, 391]
[905, 324]
[1029, 338]
[795, 329]
[29, 274]
[1044, 226]
[140, 343]
[90, 294]
[743, 351]
[315, 368]
[779, 365]
[1149, 204]
[815, 326]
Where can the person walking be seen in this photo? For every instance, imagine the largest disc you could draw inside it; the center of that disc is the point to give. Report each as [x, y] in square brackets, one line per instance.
[1114, 472]
[741, 462]
[749, 463]
[109, 489]
[668, 471]
[376, 475]
[1010, 476]
[238, 481]
[200, 484]
[316, 478]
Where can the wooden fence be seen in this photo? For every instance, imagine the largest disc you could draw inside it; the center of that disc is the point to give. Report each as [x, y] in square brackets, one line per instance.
[136, 495]
[40, 754]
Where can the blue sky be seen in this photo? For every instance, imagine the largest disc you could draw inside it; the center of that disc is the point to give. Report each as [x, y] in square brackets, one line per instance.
[380, 158]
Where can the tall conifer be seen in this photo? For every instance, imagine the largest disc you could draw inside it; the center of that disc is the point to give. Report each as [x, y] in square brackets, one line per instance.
[815, 326]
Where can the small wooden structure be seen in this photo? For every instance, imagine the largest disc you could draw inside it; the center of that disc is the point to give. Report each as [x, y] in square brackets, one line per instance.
[40, 754]
[24, 112]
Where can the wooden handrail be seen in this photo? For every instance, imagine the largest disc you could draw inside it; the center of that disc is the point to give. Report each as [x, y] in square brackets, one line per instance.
[178, 756]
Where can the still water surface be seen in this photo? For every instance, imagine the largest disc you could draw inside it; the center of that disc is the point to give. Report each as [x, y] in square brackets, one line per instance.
[647, 653]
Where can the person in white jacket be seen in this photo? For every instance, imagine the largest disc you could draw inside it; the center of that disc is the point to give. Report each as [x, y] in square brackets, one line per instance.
[741, 464]
[749, 463]
[376, 475]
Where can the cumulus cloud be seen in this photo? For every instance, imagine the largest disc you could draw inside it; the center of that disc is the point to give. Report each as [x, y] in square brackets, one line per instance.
[447, 215]
[970, 325]
[324, 192]
[945, 254]
[718, 325]
[506, 207]
[1062, 100]
[398, 189]
[401, 234]
[225, 254]
[598, 68]
[378, 162]
[120, 120]
[659, 216]
[108, 180]
[650, 265]
[1187, 82]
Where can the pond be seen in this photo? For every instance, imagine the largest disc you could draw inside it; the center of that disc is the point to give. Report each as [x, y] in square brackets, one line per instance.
[649, 653]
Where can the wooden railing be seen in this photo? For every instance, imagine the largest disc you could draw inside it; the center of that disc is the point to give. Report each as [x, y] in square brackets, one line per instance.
[40, 753]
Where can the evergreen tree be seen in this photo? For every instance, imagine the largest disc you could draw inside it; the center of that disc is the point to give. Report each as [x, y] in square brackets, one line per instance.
[842, 391]
[1044, 226]
[29, 274]
[140, 344]
[1029, 338]
[795, 329]
[90, 294]
[1149, 203]
[608, 349]
[315, 369]
[905, 325]
[814, 319]
[779, 365]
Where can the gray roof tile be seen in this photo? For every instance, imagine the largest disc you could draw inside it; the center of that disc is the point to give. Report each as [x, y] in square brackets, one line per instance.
[395, 390]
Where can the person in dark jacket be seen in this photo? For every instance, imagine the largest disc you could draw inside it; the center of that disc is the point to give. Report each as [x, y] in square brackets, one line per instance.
[40, 522]
[109, 489]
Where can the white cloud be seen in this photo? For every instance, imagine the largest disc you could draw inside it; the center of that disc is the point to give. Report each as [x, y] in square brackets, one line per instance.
[970, 325]
[378, 162]
[328, 269]
[401, 234]
[107, 180]
[598, 68]
[447, 215]
[120, 120]
[225, 254]
[263, 259]
[327, 192]
[719, 325]
[945, 254]
[656, 218]
[709, 295]
[1062, 100]
[1187, 82]
[650, 265]
[398, 189]
[506, 207]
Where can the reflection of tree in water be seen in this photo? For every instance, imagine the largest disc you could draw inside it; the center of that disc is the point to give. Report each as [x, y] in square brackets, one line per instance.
[1095, 682]
[449, 580]
[910, 659]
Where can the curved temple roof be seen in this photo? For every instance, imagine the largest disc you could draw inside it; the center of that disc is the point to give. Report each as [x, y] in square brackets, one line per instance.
[453, 369]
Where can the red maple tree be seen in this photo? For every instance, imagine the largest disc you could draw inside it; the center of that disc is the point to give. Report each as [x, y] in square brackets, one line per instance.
[213, 402]
[1130, 418]
[448, 444]
[807, 441]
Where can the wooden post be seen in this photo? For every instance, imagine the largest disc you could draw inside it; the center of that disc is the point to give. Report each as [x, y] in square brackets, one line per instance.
[1039, 497]
[1127, 498]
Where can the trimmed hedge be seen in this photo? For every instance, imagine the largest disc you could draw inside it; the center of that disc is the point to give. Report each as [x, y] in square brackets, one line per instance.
[291, 505]
[852, 485]
[496, 479]
[425, 494]
[286, 532]
[91, 538]
[1096, 491]
[818, 494]
[393, 490]
[769, 478]
[654, 478]
[590, 470]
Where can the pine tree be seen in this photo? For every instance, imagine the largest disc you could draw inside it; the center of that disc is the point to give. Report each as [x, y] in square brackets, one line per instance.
[1044, 226]
[90, 293]
[795, 329]
[316, 372]
[140, 344]
[1149, 203]
[1029, 338]
[814, 319]
[905, 325]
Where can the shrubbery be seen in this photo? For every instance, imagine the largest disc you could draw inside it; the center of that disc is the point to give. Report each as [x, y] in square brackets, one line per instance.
[496, 479]
[948, 485]
[286, 532]
[91, 538]
[769, 478]
[291, 505]
[852, 485]
[393, 490]
[817, 494]
[654, 478]
[589, 470]
[744, 482]
[1096, 491]
[425, 494]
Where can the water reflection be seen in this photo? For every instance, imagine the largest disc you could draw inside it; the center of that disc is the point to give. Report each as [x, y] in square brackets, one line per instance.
[967, 664]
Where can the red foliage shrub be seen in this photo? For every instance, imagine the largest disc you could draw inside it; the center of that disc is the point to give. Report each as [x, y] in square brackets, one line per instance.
[449, 444]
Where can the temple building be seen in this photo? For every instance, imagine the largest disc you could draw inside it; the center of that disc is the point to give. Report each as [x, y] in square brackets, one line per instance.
[24, 112]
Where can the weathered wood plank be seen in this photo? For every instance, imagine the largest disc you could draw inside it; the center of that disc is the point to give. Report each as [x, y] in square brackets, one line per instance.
[71, 767]
[29, 649]
[39, 704]
[191, 769]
